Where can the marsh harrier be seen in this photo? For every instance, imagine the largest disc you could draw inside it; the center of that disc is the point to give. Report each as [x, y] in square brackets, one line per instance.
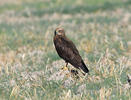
[67, 50]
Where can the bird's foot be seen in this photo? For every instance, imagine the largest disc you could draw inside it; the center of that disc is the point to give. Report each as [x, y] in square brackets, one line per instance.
[65, 68]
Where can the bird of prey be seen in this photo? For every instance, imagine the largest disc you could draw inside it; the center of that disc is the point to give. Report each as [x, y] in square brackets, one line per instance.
[67, 50]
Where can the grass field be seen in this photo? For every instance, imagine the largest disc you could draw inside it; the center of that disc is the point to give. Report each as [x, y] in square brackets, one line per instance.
[30, 68]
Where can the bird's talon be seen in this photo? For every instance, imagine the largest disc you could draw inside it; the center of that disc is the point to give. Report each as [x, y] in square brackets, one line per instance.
[64, 68]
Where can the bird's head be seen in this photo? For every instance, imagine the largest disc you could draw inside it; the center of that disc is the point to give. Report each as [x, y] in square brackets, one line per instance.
[59, 31]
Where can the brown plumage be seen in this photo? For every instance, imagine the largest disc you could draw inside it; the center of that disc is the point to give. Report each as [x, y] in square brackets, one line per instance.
[67, 50]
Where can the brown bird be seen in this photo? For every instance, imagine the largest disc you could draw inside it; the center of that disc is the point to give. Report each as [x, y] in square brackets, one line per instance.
[67, 50]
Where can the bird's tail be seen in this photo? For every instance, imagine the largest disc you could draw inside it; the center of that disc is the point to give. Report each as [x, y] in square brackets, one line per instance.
[84, 68]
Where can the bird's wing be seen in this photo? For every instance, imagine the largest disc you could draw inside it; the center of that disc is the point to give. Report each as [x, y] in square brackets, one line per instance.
[70, 45]
[67, 50]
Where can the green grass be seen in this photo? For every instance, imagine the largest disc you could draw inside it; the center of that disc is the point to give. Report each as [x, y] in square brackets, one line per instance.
[30, 67]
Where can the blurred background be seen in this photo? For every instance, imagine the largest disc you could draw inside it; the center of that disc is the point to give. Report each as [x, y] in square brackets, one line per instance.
[29, 64]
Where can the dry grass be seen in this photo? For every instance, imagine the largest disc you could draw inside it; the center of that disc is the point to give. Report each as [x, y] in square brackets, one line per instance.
[30, 69]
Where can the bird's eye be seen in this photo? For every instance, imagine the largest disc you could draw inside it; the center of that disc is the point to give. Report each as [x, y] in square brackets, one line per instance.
[60, 31]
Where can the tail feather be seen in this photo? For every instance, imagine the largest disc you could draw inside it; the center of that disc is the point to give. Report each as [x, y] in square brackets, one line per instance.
[84, 68]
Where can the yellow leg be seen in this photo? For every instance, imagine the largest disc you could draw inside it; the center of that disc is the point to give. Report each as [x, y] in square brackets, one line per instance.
[65, 67]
